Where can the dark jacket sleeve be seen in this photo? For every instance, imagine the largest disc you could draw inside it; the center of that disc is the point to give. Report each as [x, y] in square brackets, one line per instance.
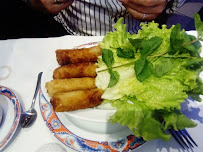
[171, 7]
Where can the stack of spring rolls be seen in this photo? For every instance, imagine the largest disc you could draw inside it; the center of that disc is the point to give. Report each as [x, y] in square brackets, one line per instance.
[73, 85]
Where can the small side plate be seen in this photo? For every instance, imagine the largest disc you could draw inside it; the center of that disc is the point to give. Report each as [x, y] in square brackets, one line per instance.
[12, 110]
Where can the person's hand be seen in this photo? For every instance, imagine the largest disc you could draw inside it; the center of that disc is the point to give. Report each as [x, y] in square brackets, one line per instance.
[51, 6]
[144, 10]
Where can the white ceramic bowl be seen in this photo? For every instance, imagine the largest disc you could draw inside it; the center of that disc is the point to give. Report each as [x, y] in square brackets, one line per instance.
[94, 120]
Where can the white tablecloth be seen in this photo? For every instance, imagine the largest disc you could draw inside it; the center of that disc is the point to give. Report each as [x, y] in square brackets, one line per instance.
[24, 59]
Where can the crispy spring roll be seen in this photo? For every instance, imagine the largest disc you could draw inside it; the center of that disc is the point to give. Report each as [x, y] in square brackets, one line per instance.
[67, 85]
[74, 100]
[78, 55]
[77, 70]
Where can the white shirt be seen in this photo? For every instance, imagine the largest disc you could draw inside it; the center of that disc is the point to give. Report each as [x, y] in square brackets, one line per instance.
[97, 17]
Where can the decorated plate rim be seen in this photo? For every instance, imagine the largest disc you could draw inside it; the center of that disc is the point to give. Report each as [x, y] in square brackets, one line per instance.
[77, 143]
[17, 113]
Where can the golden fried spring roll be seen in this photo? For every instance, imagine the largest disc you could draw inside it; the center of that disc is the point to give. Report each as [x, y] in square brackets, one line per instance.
[78, 55]
[77, 70]
[67, 85]
[74, 100]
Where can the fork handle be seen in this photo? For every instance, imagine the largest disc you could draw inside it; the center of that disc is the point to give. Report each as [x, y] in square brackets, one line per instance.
[36, 89]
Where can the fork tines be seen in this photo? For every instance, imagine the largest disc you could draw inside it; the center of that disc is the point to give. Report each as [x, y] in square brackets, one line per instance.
[183, 138]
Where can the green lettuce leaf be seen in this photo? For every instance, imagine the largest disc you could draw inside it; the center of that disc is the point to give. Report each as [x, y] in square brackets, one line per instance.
[139, 118]
[177, 120]
[198, 26]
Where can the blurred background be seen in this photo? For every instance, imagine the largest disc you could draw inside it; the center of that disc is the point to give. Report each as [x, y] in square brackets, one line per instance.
[17, 20]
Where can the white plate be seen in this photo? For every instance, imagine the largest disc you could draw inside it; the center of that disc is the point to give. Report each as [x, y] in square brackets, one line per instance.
[77, 136]
[11, 115]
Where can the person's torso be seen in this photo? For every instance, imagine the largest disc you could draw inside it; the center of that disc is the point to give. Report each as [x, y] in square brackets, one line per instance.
[95, 17]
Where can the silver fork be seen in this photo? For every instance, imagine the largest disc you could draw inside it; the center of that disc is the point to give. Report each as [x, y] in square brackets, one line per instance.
[183, 138]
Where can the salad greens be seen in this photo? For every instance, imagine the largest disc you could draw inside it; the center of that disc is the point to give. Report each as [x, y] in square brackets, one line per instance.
[146, 76]
[198, 26]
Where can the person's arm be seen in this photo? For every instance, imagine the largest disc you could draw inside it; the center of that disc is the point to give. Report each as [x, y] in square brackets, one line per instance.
[49, 6]
[146, 10]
